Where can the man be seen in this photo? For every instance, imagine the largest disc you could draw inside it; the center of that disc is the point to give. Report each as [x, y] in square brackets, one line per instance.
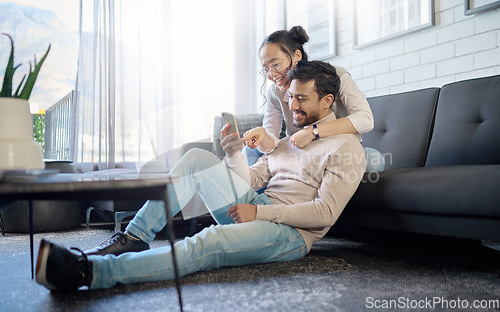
[306, 190]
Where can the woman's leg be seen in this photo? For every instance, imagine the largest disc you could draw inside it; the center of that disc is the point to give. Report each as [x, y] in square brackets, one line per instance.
[375, 161]
[198, 170]
[214, 247]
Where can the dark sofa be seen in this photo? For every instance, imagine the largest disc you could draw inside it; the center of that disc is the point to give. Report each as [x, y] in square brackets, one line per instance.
[442, 153]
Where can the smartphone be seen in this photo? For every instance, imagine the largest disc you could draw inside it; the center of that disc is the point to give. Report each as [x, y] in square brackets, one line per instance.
[228, 118]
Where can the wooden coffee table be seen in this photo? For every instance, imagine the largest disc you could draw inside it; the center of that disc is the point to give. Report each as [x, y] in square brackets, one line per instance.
[49, 185]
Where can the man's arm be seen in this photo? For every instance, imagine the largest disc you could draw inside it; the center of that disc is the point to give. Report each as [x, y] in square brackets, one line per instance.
[232, 144]
[340, 180]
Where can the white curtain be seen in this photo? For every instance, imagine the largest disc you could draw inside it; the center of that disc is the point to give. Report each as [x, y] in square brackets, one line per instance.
[152, 74]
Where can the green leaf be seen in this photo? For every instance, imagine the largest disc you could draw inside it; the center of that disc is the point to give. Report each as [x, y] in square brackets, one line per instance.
[16, 94]
[9, 72]
[30, 82]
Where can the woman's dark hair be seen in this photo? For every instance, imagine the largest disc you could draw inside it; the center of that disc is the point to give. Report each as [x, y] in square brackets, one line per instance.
[326, 80]
[289, 41]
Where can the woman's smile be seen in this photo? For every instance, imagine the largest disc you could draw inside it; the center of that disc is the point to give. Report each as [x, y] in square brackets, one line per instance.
[280, 82]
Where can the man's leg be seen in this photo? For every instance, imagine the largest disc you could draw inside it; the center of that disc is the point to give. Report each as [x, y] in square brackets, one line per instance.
[214, 247]
[198, 170]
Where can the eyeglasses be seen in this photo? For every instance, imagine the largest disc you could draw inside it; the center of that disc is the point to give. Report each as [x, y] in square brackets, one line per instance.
[275, 67]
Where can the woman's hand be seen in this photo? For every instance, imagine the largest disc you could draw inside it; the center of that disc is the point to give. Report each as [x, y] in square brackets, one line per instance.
[230, 143]
[256, 137]
[243, 213]
[302, 138]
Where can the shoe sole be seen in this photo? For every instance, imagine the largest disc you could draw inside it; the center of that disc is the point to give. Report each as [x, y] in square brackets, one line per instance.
[103, 252]
[41, 265]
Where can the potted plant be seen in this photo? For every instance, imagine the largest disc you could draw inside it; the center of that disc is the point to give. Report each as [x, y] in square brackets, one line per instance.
[18, 150]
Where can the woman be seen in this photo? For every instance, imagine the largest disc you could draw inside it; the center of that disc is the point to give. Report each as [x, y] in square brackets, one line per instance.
[280, 52]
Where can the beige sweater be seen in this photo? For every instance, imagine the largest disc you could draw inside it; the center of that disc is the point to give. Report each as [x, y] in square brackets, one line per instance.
[308, 187]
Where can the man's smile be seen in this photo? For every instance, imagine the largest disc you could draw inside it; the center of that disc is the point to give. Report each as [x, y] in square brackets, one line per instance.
[298, 114]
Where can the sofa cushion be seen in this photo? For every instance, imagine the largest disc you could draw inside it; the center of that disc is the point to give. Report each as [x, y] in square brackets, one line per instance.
[448, 190]
[402, 127]
[467, 124]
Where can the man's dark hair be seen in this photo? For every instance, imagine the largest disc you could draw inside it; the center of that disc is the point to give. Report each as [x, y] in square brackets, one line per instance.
[326, 80]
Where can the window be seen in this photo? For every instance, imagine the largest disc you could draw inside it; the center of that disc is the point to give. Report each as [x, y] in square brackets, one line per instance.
[43, 22]
[154, 74]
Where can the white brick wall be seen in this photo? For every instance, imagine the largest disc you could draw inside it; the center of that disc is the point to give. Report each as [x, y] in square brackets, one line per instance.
[458, 47]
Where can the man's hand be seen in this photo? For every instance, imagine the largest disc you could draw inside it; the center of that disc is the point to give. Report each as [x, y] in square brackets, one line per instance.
[243, 213]
[302, 138]
[258, 137]
[231, 144]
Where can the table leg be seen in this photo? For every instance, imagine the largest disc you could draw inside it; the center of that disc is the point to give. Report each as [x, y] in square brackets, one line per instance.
[171, 238]
[1, 225]
[30, 213]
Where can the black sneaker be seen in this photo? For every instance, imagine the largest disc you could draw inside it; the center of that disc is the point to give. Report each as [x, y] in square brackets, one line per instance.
[57, 268]
[117, 244]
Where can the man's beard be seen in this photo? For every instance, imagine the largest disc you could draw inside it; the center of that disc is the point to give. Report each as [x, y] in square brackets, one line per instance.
[309, 119]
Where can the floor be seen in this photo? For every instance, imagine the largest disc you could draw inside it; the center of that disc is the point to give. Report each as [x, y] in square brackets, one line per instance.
[346, 271]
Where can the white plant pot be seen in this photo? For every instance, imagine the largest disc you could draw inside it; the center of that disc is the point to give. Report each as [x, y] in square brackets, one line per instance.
[18, 150]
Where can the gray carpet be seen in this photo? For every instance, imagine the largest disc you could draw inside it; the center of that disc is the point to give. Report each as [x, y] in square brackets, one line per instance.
[344, 272]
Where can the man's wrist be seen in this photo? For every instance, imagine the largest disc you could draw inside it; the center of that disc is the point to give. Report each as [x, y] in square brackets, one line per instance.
[235, 160]
[267, 144]
[275, 142]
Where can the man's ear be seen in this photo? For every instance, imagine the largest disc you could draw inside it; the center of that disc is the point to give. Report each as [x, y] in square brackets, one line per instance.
[327, 101]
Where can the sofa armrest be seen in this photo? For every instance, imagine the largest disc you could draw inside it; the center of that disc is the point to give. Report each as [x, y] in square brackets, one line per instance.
[199, 144]
[245, 123]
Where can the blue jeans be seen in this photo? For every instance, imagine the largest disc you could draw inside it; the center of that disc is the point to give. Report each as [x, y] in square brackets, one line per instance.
[375, 161]
[224, 244]
[251, 154]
